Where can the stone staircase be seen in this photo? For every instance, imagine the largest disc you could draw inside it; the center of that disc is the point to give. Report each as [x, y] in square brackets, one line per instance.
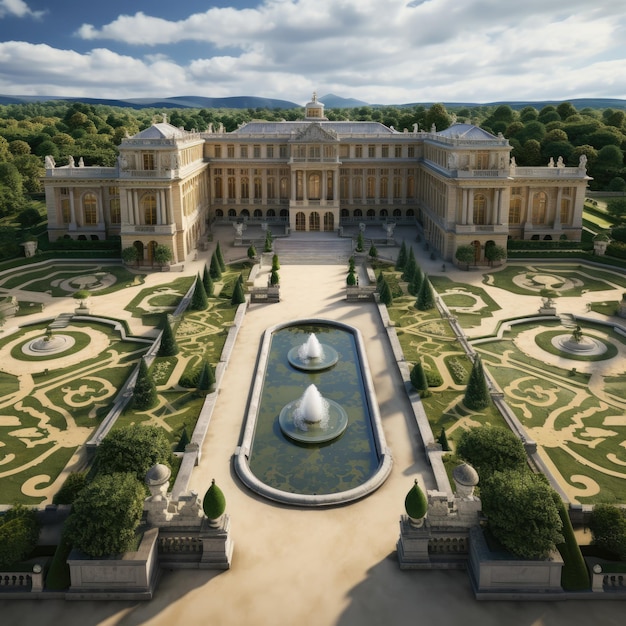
[308, 250]
[62, 321]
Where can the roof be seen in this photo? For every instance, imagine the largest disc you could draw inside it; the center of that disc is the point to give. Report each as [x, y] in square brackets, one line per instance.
[160, 131]
[466, 131]
[341, 128]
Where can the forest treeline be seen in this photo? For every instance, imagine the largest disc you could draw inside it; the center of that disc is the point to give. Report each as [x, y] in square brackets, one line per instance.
[30, 131]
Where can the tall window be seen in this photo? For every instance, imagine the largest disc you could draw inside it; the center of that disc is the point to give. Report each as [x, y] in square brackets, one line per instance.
[371, 187]
[480, 209]
[397, 187]
[90, 208]
[384, 187]
[540, 201]
[371, 151]
[515, 211]
[397, 152]
[230, 151]
[271, 188]
[385, 152]
[218, 188]
[245, 187]
[314, 191]
[482, 160]
[148, 206]
[66, 213]
[357, 184]
[114, 211]
[258, 189]
[218, 152]
[564, 215]
[231, 188]
[284, 188]
[243, 151]
[256, 152]
[269, 151]
[148, 161]
[358, 152]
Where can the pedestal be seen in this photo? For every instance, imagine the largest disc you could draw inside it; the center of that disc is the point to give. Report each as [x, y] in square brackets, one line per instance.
[217, 546]
[413, 545]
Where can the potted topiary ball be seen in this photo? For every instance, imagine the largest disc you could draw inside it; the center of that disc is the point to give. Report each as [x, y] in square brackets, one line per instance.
[214, 504]
[416, 505]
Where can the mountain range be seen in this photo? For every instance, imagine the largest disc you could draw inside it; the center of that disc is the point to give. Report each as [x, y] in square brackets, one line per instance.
[331, 101]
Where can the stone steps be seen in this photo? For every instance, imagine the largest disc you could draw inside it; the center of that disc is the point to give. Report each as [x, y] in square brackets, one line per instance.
[308, 251]
[62, 321]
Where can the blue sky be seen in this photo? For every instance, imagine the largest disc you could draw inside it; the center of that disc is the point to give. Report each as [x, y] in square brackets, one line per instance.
[379, 51]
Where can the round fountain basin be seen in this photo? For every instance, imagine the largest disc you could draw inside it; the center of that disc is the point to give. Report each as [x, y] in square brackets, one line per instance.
[315, 432]
[587, 345]
[42, 346]
[328, 358]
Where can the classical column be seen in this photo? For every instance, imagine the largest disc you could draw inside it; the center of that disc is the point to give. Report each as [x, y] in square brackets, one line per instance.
[159, 219]
[470, 207]
[136, 207]
[498, 203]
[557, 211]
[294, 186]
[72, 209]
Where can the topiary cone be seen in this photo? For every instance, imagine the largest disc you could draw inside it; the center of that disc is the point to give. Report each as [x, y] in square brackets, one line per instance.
[214, 503]
[416, 504]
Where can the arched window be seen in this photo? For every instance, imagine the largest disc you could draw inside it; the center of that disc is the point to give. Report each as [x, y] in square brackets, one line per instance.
[358, 213]
[231, 188]
[258, 213]
[384, 213]
[397, 212]
[258, 189]
[345, 213]
[90, 208]
[357, 186]
[245, 213]
[397, 187]
[219, 213]
[284, 213]
[232, 213]
[300, 221]
[344, 188]
[271, 188]
[410, 213]
[410, 187]
[148, 208]
[371, 214]
[384, 187]
[540, 201]
[314, 221]
[271, 213]
[480, 209]
[284, 188]
[218, 188]
[371, 187]
[329, 221]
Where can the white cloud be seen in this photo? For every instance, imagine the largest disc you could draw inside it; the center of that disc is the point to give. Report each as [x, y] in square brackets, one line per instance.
[380, 51]
[18, 8]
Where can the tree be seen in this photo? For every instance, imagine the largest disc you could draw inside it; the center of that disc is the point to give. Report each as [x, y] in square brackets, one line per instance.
[522, 513]
[267, 247]
[215, 270]
[183, 441]
[251, 252]
[415, 502]
[206, 379]
[162, 255]
[617, 207]
[168, 345]
[410, 267]
[373, 252]
[275, 263]
[144, 394]
[106, 514]
[465, 255]
[133, 449]
[418, 378]
[19, 532]
[351, 279]
[416, 281]
[608, 528]
[274, 278]
[207, 281]
[489, 449]
[130, 255]
[425, 297]
[29, 217]
[402, 257]
[199, 299]
[384, 292]
[359, 242]
[495, 253]
[220, 257]
[617, 184]
[238, 296]
[438, 117]
[70, 489]
[477, 395]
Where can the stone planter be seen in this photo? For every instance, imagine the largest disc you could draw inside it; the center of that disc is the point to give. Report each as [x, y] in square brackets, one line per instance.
[129, 575]
[500, 573]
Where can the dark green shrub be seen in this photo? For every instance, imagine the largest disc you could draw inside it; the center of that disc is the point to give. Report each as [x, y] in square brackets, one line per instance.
[415, 503]
[418, 377]
[214, 502]
[434, 378]
[402, 256]
[385, 293]
[220, 257]
[183, 441]
[70, 488]
[215, 269]
[477, 396]
[206, 379]
[58, 576]
[207, 281]
[168, 345]
[19, 532]
[425, 298]
[442, 440]
[608, 528]
[351, 279]
[106, 515]
[574, 575]
[238, 294]
[199, 299]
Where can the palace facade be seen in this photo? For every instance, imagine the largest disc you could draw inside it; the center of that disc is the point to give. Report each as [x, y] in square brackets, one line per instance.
[460, 185]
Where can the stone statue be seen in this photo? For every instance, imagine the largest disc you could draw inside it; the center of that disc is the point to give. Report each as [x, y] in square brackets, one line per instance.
[50, 164]
[582, 162]
[415, 128]
[70, 161]
[81, 163]
[390, 227]
[238, 226]
[551, 162]
[559, 162]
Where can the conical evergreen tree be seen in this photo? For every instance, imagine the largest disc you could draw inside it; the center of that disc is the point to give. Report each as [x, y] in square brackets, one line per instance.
[220, 257]
[425, 298]
[199, 300]
[275, 262]
[418, 377]
[251, 252]
[380, 278]
[268, 242]
[207, 281]
[274, 278]
[359, 242]
[215, 271]
[183, 441]
[351, 264]
[402, 257]
[238, 296]
[351, 279]
[416, 281]
[443, 440]
[477, 395]
[206, 378]
[373, 252]
[409, 267]
[385, 294]
[168, 346]
[144, 394]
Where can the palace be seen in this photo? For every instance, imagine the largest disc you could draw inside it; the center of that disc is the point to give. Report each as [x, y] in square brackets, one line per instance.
[460, 185]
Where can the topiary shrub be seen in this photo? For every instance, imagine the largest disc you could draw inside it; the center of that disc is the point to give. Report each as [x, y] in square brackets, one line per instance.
[199, 299]
[207, 281]
[251, 252]
[168, 345]
[608, 528]
[418, 377]
[425, 298]
[215, 270]
[220, 257]
[144, 393]
[206, 379]
[238, 296]
[351, 279]
[214, 502]
[415, 503]
[477, 396]
[434, 378]
[402, 256]
[183, 441]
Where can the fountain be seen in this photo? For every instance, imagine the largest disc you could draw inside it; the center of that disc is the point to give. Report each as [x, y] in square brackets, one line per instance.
[312, 355]
[577, 343]
[313, 418]
[48, 344]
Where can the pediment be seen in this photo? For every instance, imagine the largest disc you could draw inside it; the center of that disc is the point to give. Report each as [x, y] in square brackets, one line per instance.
[314, 133]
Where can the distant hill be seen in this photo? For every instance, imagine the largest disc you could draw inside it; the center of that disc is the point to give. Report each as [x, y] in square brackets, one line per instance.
[331, 101]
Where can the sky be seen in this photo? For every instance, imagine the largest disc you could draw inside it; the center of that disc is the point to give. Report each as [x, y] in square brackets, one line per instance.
[377, 51]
